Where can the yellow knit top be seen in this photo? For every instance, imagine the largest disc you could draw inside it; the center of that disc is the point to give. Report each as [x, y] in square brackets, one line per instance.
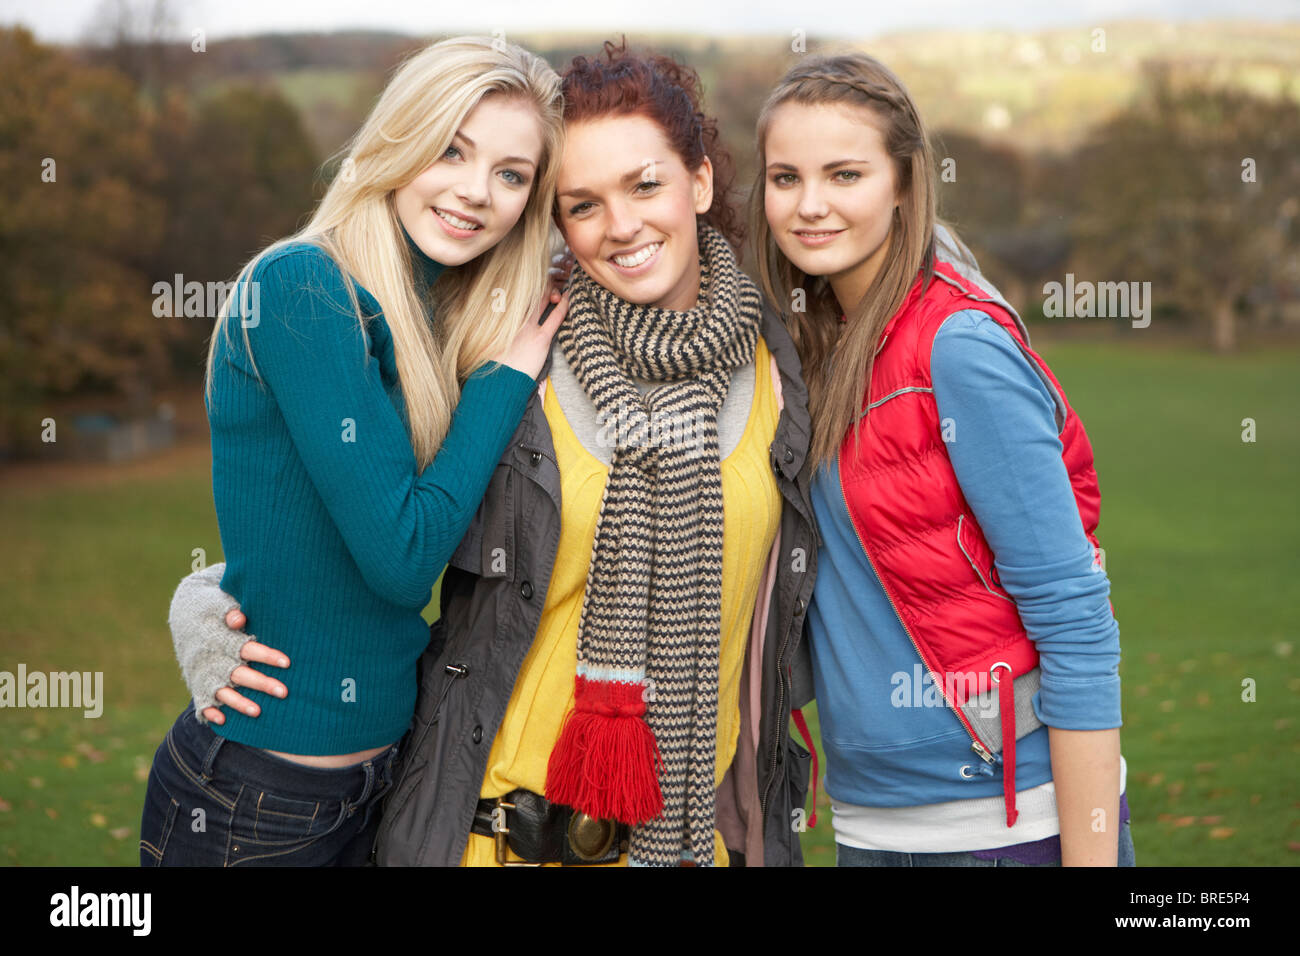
[543, 692]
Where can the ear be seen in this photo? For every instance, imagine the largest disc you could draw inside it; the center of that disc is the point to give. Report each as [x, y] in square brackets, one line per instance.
[703, 183]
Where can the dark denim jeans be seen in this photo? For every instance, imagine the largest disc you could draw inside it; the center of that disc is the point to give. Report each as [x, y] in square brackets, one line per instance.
[215, 802]
[852, 856]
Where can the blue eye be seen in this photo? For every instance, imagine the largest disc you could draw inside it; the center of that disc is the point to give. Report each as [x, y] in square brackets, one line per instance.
[450, 150]
[517, 181]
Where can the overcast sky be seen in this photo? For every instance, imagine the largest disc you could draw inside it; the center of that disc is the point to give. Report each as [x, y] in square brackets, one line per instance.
[65, 20]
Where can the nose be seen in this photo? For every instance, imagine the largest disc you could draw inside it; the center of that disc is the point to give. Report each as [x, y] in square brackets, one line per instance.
[473, 188]
[624, 223]
[812, 204]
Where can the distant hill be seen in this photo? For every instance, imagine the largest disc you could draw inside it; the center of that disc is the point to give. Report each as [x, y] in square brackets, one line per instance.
[1036, 90]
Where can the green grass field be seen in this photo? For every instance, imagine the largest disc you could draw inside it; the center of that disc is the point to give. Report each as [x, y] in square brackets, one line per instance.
[1202, 543]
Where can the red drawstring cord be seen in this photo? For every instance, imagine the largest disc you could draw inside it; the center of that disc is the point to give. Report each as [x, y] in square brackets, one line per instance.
[802, 726]
[1007, 707]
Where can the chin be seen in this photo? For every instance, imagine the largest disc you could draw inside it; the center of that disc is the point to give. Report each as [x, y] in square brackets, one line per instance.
[626, 290]
[450, 253]
[646, 296]
[815, 265]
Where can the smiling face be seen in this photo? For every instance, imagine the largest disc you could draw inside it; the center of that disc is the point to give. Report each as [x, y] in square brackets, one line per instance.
[830, 193]
[627, 207]
[473, 195]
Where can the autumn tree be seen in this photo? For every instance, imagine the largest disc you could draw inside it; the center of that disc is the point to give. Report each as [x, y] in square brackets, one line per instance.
[77, 223]
[1194, 188]
[103, 195]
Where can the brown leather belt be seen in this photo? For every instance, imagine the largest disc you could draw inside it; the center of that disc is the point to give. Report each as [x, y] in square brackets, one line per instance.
[538, 831]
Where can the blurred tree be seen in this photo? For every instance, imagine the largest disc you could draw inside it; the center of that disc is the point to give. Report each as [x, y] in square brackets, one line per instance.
[238, 172]
[984, 194]
[134, 38]
[1193, 189]
[77, 220]
[103, 195]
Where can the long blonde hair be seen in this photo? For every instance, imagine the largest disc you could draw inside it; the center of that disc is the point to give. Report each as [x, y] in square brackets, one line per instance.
[357, 224]
[835, 401]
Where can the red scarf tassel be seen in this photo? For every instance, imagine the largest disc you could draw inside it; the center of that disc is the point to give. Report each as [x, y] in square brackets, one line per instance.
[606, 762]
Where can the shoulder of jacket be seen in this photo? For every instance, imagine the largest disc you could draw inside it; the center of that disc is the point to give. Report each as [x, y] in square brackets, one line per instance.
[794, 429]
[779, 343]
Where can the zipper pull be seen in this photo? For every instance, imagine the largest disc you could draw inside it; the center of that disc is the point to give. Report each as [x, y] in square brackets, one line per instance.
[987, 757]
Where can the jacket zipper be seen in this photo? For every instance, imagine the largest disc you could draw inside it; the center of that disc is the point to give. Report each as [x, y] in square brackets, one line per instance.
[976, 746]
[780, 680]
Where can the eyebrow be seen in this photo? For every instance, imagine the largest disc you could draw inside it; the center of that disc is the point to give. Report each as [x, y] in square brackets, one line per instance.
[826, 168]
[508, 159]
[630, 177]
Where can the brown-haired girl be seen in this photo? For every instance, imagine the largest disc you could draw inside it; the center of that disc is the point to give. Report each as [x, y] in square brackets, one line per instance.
[965, 653]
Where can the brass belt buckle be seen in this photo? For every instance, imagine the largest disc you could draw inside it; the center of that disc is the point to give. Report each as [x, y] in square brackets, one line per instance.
[589, 837]
[500, 831]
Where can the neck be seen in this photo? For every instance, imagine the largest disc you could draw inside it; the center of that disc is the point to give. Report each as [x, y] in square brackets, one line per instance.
[685, 293]
[850, 287]
[424, 269]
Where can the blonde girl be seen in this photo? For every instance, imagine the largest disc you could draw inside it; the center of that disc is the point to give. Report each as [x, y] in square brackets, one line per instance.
[361, 386]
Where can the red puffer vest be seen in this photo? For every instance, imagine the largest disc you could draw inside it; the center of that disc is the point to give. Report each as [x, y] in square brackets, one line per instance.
[916, 528]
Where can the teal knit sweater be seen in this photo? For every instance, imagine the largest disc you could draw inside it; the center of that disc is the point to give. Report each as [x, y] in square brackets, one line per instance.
[333, 536]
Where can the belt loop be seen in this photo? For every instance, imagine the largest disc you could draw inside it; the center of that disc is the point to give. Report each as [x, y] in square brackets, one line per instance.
[369, 766]
[392, 757]
[391, 762]
[205, 771]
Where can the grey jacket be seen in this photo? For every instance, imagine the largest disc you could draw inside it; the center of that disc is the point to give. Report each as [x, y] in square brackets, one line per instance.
[492, 597]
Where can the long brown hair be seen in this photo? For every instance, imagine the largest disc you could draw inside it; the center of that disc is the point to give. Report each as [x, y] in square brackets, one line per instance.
[835, 401]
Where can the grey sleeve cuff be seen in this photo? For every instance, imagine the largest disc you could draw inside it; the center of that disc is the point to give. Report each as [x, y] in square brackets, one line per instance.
[206, 649]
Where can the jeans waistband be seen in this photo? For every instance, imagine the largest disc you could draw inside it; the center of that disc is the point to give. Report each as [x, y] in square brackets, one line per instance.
[209, 755]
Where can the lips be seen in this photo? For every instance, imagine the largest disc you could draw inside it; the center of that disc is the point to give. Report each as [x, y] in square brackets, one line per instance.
[816, 237]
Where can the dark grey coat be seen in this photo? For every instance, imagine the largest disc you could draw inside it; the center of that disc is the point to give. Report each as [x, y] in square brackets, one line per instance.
[492, 598]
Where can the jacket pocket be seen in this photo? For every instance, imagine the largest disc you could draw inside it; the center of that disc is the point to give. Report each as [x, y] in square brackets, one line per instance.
[980, 557]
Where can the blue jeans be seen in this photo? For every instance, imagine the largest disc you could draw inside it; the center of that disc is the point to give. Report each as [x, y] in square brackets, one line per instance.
[214, 802]
[852, 856]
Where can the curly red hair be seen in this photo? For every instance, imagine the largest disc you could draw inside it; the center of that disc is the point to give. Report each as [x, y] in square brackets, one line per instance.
[669, 93]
